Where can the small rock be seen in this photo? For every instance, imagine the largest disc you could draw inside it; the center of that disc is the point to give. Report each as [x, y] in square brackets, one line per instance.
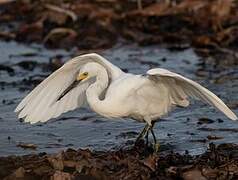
[213, 137]
[27, 65]
[199, 140]
[205, 121]
[8, 69]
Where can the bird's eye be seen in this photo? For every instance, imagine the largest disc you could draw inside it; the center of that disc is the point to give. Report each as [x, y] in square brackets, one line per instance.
[85, 74]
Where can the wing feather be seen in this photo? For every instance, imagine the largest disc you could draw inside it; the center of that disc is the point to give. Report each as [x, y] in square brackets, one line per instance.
[181, 87]
[42, 103]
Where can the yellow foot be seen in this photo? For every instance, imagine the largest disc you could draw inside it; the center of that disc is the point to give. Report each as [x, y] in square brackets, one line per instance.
[156, 147]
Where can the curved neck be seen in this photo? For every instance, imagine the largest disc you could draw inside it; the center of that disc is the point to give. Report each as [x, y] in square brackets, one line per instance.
[96, 89]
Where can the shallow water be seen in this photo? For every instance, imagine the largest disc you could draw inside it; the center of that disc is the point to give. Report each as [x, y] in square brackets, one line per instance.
[83, 128]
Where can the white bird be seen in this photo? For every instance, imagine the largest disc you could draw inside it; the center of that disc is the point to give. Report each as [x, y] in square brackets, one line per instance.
[113, 93]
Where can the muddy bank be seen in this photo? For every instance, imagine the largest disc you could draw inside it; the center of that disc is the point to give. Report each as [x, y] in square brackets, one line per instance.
[211, 28]
[218, 162]
[96, 24]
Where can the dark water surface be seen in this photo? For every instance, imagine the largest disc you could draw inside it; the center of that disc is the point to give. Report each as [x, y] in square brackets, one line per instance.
[179, 131]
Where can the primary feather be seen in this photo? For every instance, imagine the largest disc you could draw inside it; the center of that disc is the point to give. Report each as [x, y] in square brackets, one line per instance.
[41, 104]
[181, 87]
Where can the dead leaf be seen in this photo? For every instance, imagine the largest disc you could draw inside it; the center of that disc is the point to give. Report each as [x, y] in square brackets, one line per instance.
[70, 164]
[194, 174]
[210, 173]
[66, 12]
[17, 174]
[58, 175]
[60, 37]
[220, 11]
[82, 164]
[6, 1]
[156, 9]
[151, 162]
[204, 40]
[172, 170]
[7, 35]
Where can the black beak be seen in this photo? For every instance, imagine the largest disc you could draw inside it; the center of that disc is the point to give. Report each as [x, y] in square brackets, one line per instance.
[73, 85]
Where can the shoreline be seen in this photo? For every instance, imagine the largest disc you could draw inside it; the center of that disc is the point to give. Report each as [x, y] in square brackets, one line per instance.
[138, 162]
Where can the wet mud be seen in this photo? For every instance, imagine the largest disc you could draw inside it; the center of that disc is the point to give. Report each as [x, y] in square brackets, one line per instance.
[94, 24]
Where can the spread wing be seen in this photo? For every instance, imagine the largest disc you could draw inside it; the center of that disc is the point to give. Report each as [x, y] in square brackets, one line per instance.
[58, 93]
[180, 88]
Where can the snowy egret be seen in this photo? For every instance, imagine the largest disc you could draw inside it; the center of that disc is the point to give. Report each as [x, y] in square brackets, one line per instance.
[113, 93]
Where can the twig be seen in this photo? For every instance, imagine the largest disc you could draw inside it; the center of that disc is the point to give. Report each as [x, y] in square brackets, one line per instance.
[69, 13]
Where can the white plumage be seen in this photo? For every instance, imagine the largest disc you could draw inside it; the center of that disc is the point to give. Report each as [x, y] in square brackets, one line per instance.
[112, 93]
[41, 105]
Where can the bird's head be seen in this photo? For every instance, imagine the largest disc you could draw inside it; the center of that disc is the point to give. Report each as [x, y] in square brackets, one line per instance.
[88, 71]
[83, 76]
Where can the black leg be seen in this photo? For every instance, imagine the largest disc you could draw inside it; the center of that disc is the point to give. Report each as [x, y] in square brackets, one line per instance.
[142, 133]
[145, 133]
[156, 144]
[147, 138]
[153, 134]
[152, 124]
